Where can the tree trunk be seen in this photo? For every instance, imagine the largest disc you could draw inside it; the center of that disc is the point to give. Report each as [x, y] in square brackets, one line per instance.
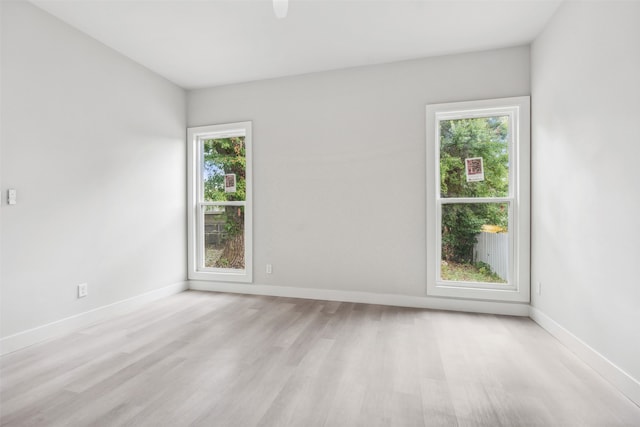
[233, 251]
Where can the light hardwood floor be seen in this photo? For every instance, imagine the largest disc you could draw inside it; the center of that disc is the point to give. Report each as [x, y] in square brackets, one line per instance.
[211, 359]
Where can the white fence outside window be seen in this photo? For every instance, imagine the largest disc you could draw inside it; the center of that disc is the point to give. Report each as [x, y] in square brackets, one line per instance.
[493, 249]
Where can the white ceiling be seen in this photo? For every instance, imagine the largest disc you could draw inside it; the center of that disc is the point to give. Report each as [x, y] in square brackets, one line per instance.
[209, 43]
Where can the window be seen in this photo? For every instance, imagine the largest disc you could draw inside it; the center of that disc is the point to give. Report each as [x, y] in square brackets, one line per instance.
[220, 202]
[478, 199]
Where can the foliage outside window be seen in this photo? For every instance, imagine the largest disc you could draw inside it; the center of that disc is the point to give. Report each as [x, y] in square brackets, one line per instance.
[223, 157]
[460, 139]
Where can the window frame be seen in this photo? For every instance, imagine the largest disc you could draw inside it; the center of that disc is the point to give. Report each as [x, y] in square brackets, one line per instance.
[196, 203]
[518, 199]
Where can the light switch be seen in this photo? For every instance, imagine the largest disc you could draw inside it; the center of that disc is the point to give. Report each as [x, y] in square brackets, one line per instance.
[11, 196]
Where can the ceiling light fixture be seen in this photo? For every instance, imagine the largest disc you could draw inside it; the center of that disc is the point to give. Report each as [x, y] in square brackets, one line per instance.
[280, 8]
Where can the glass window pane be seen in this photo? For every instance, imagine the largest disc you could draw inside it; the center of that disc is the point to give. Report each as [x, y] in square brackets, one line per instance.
[224, 169]
[224, 237]
[474, 157]
[475, 242]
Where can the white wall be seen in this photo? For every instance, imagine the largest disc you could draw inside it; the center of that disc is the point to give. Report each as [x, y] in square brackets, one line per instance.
[586, 146]
[94, 145]
[339, 164]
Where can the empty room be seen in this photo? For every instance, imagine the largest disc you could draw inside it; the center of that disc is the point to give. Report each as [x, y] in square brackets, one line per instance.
[319, 213]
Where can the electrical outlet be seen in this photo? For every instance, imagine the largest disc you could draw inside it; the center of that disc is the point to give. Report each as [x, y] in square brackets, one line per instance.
[11, 196]
[83, 290]
[269, 269]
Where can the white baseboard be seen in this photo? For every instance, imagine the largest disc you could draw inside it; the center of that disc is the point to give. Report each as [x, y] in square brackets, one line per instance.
[624, 382]
[79, 321]
[489, 307]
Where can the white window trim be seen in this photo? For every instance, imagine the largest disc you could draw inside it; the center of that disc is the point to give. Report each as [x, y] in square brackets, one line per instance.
[194, 189]
[518, 289]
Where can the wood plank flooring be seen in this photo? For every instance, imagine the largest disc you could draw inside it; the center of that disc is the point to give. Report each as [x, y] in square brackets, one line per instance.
[212, 359]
